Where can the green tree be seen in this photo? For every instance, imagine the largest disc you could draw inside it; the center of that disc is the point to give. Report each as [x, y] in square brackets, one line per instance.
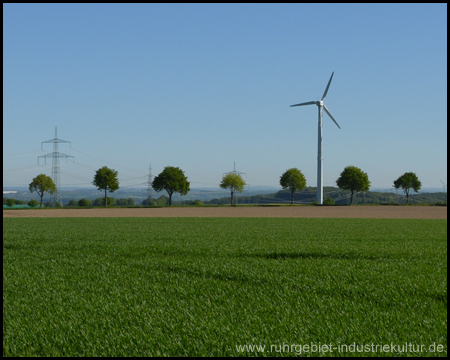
[72, 202]
[148, 201]
[329, 201]
[161, 201]
[122, 202]
[10, 202]
[106, 179]
[353, 179]
[171, 179]
[85, 202]
[232, 182]
[42, 184]
[294, 180]
[125, 202]
[408, 181]
[101, 201]
[33, 203]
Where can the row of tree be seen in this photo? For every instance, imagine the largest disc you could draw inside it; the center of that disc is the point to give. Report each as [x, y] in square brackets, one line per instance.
[352, 178]
[101, 202]
[172, 180]
[11, 202]
[82, 202]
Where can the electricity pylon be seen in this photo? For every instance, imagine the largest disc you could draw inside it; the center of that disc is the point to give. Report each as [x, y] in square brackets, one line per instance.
[149, 186]
[55, 155]
[234, 171]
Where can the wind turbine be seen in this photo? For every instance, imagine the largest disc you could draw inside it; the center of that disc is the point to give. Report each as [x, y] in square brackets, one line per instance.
[320, 105]
[445, 185]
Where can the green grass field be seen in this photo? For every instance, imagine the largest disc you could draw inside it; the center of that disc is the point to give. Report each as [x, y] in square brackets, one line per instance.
[205, 286]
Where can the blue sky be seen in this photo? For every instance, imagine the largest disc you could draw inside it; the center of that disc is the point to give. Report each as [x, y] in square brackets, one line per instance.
[201, 86]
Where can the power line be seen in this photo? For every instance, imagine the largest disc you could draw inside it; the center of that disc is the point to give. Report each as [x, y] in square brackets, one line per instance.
[21, 154]
[120, 166]
[23, 169]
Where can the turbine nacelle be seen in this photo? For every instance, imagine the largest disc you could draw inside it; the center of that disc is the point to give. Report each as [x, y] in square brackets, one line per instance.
[320, 103]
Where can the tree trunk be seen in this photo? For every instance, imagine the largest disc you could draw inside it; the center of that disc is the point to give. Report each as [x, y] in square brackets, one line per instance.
[351, 199]
[41, 201]
[292, 197]
[170, 199]
[231, 198]
[106, 198]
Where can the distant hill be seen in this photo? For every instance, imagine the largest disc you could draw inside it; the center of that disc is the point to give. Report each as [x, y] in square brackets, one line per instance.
[252, 195]
[340, 197]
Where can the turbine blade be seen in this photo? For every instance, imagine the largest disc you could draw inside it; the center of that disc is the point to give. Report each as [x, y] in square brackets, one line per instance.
[331, 116]
[305, 103]
[328, 86]
[443, 183]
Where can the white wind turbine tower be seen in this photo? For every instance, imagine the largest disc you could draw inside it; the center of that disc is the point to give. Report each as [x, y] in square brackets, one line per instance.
[445, 185]
[320, 105]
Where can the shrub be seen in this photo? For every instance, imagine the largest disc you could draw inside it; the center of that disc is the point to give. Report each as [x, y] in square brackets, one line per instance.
[196, 202]
[10, 202]
[101, 201]
[329, 201]
[162, 200]
[85, 202]
[149, 202]
[125, 202]
[73, 202]
[33, 203]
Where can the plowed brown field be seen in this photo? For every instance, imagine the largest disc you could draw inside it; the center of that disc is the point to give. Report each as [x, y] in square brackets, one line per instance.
[387, 212]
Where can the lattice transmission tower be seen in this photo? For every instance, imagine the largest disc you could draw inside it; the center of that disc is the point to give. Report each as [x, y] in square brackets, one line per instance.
[234, 171]
[55, 155]
[149, 185]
